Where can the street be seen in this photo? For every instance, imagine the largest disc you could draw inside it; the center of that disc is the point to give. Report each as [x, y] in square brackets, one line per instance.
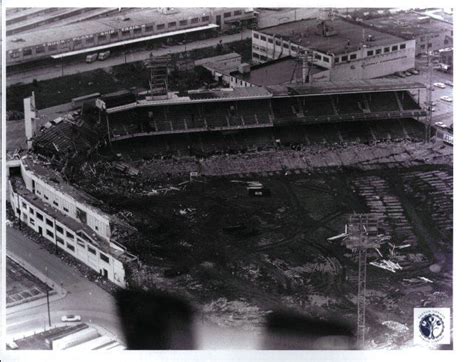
[95, 305]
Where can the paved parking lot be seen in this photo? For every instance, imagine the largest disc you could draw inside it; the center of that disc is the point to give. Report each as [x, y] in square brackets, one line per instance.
[22, 286]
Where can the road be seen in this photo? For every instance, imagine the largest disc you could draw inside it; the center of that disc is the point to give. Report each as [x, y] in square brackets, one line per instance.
[85, 298]
[26, 75]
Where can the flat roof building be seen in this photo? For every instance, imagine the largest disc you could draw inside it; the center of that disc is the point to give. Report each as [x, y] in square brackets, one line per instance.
[430, 33]
[350, 50]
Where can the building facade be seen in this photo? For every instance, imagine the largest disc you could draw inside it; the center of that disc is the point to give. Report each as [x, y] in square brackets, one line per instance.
[49, 208]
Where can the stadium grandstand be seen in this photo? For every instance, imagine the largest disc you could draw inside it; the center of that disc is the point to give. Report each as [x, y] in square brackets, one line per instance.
[30, 36]
[254, 108]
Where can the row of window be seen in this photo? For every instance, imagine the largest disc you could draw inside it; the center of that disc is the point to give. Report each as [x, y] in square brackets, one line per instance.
[388, 49]
[114, 35]
[60, 230]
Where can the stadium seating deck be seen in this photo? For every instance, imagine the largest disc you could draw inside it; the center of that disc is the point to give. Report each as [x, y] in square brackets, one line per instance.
[407, 101]
[383, 102]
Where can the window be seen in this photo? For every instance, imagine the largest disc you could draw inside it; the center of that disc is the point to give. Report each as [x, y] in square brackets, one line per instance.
[65, 209]
[69, 235]
[263, 37]
[39, 216]
[32, 221]
[270, 40]
[172, 24]
[370, 53]
[81, 243]
[38, 192]
[27, 52]
[378, 51]
[77, 42]
[237, 12]
[137, 31]
[149, 28]
[14, 54]
[53, 48]
[46, 197]
[386, 49]
[403, 46]
[49, 233]
[114, 35]
[102, 37]
[70, 247]
[344, 58]
[55, 203]
[23, 204]
[227, 15]
[125, 32]
[430, 45]
[59, 229]
[40, 49]
[32, 212]
[255, 35]
[59, 240]
[336, 60]
[104, 258]
[90, 40]
[205, 18]
[326, 59]
[194, 20]
[91, 250]
[183, 22]
[160, 26]
[353, 56]
[285, 45]
[294, 48]
[278, 42]
[394, 48]
[49, 222]
[422, 46]
[81, 215]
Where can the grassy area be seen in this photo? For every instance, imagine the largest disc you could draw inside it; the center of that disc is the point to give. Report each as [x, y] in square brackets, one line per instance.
[61, 90]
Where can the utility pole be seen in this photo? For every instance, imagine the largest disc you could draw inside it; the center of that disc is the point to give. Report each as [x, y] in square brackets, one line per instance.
[47, 298]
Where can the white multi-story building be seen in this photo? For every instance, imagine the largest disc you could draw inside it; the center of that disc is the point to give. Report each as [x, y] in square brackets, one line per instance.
[349, 50]
[43, 201]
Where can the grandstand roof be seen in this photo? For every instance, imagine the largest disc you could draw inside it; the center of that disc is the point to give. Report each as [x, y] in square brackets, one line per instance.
[307, 34]
[69, 31]
[340, 87]
[279, 71]
[200, 96]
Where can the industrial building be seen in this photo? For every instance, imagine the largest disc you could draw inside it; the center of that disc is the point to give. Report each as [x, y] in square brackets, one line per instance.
[64, 215]
[431, 34]
[348, 49]
[106, 32]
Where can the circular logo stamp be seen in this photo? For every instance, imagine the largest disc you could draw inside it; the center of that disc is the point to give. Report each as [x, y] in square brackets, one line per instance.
[431, 326]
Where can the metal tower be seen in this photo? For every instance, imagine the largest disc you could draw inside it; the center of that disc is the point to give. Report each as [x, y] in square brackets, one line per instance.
[362, 235]
[158, 67]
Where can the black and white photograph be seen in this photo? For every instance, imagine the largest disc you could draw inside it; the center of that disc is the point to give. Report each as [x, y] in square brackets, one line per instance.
[228, 178]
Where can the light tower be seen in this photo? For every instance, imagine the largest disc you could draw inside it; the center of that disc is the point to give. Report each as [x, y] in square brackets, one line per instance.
[362, 234]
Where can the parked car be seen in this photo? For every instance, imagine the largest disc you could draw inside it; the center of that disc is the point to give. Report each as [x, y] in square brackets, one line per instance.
[446, 98]
[439, 85]
[441, 124]
[71, 318]
[414, 71]
[448, 82]
[400, 74]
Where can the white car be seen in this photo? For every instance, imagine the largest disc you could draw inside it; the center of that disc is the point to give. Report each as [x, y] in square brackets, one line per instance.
[71, 318]
[441, 124]
[446, 98]
[440, 85]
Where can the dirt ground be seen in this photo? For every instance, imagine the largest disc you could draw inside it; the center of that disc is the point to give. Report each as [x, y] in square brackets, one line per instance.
[220, 246]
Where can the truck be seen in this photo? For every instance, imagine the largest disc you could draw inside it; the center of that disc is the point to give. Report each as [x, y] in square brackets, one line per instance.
[91, 58]
[104, 55]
